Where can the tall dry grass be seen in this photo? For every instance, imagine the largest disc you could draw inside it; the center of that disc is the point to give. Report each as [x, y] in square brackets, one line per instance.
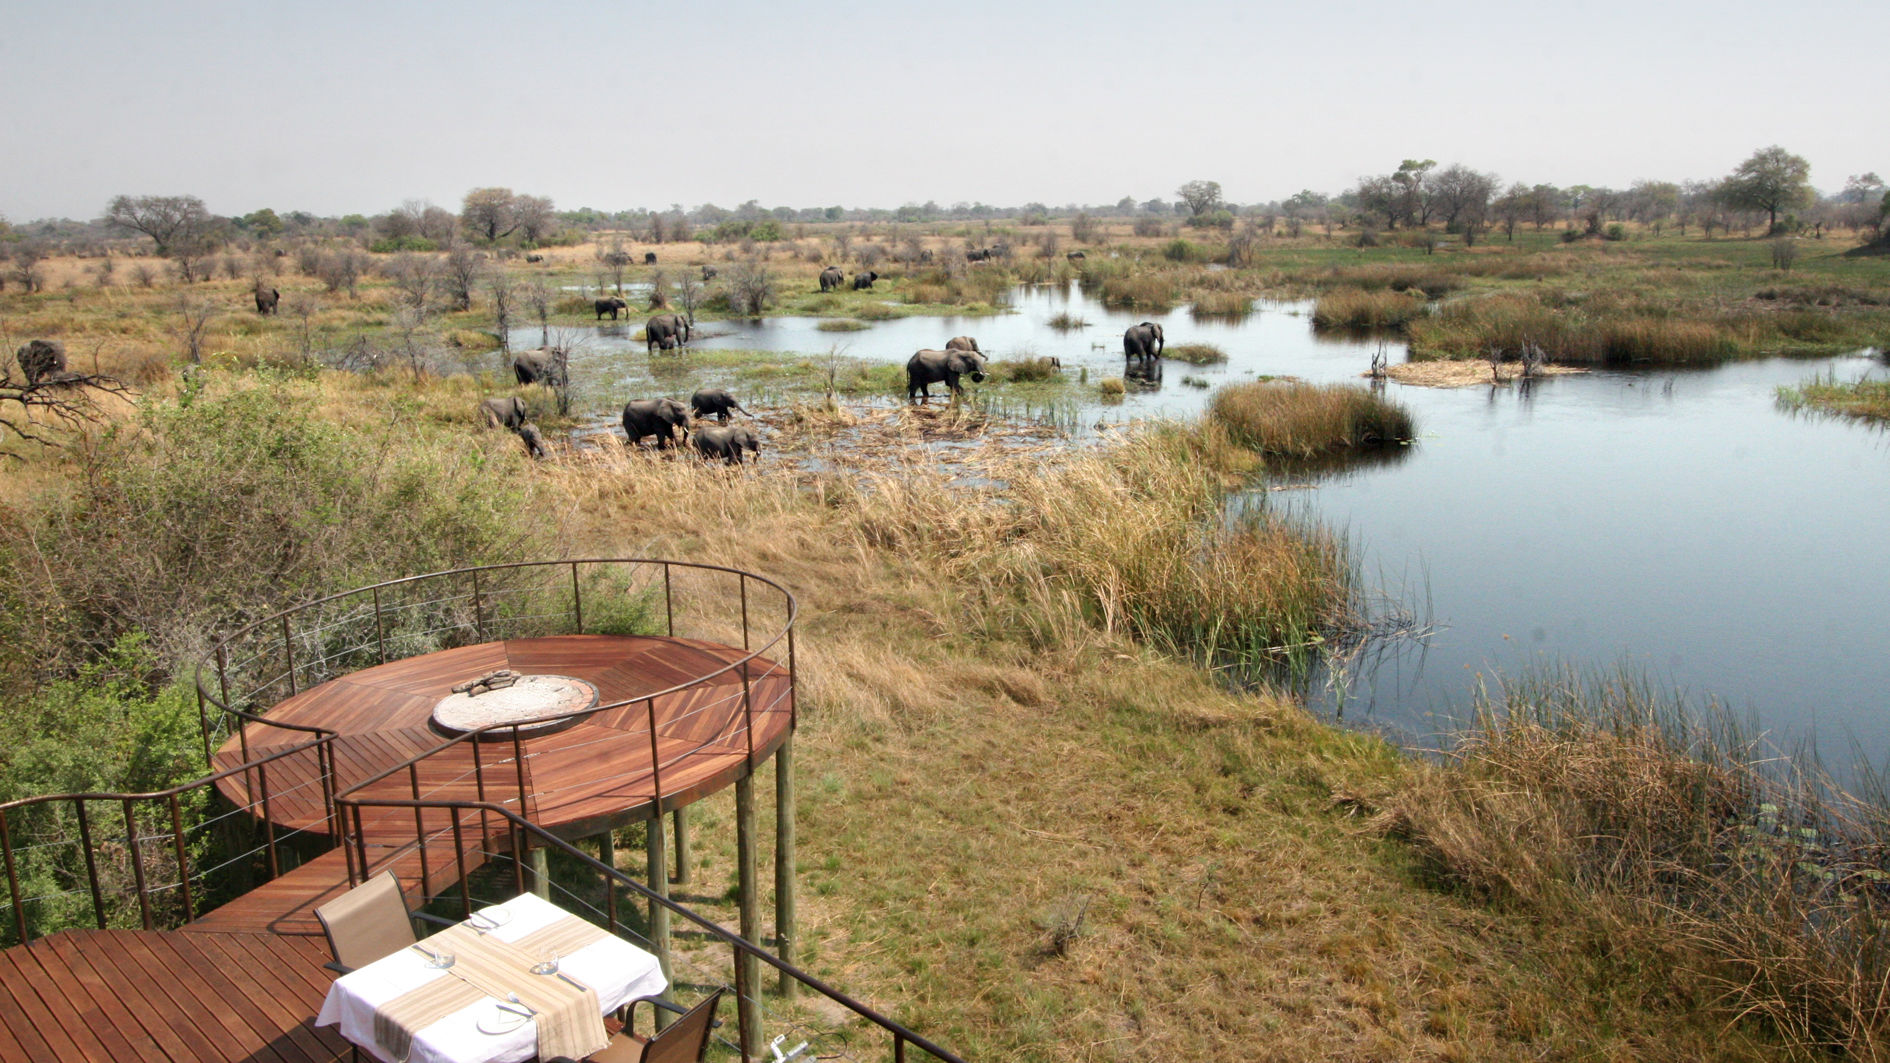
[1303, 420]
[1667, 833]
[1615, 333]
[1360, 308]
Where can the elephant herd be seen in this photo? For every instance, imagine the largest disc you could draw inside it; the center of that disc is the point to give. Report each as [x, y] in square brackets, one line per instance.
[833, 278]
[667, 420]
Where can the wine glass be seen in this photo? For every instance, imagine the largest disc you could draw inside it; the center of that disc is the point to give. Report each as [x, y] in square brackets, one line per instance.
[440, 961]
[547, 958]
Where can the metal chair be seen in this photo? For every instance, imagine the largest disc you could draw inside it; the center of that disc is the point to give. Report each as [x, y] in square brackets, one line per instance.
[684, 1041]
[368, 922]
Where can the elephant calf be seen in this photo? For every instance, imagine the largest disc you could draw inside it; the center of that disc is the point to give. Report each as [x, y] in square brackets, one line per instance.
[728, 443]
[832, 279]
[503, 413]
[864, 281]
[714, 402]
[665, 332]
[610, 305]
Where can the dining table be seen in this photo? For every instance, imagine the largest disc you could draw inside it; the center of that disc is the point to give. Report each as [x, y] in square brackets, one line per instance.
[526, 979]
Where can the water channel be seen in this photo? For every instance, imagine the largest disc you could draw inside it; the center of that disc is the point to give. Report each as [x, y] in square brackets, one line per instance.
[1678, 523]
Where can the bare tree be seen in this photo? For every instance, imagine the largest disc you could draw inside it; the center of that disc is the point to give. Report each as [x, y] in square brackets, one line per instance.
[459, 275]
[750, 288]
[490, 213]
[614, 259]
[535, 217]
[167, 220]
[538, 297]
[689, 291]
[659, 290]
[64, 400]
[1458, 191]
[504, 295]
[27, 255]
[197, 315]
[413, 277]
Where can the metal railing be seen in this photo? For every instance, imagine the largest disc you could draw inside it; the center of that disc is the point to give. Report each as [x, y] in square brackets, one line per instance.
[522, 834]
[174, 854]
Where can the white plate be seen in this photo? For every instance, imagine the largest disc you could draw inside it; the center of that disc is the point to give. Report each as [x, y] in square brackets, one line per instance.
[496, 1020]
[497, 915]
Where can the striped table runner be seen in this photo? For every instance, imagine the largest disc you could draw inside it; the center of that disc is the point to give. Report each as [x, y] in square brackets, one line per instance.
[570, 1021]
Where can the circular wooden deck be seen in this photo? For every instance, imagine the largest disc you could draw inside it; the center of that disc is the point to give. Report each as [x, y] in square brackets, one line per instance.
[578, 780]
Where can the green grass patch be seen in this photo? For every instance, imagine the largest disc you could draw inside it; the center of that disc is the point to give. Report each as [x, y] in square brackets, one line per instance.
[1363, 308]
[1866, 400]
[1195, 353]
[843, 324]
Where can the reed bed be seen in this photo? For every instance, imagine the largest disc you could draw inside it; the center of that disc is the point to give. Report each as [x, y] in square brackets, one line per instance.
[1221, 305]
[1362, 308]
[1066, 322]
[1622, 334]
[1668, 833]
[1867, 400]
[1303, 420]
[1195, 353]
[842, 324]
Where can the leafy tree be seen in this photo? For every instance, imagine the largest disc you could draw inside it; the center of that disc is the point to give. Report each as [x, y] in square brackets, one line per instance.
[1771, 180]
[1462, 196]
[535, 216]
[490, 213]
[263, 223]
[172, 222]
[1413, 202]
[1200, 196]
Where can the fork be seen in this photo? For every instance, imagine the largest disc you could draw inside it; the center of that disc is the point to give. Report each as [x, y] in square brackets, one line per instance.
[513, 997]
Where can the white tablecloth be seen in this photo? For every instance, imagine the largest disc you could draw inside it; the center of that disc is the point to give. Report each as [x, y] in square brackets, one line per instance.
[617, 970]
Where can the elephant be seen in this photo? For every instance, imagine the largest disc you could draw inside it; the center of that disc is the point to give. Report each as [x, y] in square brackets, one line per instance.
[864, 281]
[610, 305]
[833, 278]
[708, 273]
[503, 413]
[661, 418]
[649, 258]
[534, 440]
[541, 365]
[666, 331]
[42, 360]
[716, 402]
[926, 368]
[1143, 341]
[534, 258]
[1076, 256]
[728, 443]
[962, 343]
[979, 255]
[266, 300]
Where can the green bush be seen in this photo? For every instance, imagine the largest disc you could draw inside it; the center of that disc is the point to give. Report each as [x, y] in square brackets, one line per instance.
[229, 503]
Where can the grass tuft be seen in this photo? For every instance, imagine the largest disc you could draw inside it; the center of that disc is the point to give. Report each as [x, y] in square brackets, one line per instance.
[1195, 353]
[1303, 420]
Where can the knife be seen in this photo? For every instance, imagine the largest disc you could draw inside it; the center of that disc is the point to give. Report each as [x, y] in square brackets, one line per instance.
[568, 980]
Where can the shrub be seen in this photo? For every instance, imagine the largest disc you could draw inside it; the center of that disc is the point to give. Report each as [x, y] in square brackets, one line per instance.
[1615, 232]
[1112, 388]
[1303, 420]
[1150, 226]
[224, 505]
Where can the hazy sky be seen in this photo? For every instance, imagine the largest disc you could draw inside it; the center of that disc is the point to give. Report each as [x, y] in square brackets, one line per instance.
[351, 106]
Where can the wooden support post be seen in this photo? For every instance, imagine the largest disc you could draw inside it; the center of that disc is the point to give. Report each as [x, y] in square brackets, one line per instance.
[541, 872]
[784, 862]
[748, 973]
[657, 853]
[607, 848]
[680, 873]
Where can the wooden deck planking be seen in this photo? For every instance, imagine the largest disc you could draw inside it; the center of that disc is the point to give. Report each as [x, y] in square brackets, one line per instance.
[116, 995]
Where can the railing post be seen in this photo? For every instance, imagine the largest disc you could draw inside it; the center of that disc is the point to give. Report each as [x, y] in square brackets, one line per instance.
[784, 862]
[420, 829]
[91, 862]
[459, 858]
[748, 716]
[479, 784]
[518, 765]
[656, 757]
[669, 603]
[13, 878]
[577, 602]
[137, 865]
[223, 677]
[288, 652]
[793, 688]
[269, 822]
[360, 845]
[748, 969]
[183, 858]
[203, 721]
[479, 620]
[744, 585]
[325, 765]
[380, 630]
[899, 1048]
[655, 851]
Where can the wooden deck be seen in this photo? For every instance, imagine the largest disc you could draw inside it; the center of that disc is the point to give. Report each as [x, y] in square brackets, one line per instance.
[117, 995]
[244, 980]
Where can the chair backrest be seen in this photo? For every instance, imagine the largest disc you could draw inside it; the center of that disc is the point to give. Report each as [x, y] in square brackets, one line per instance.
[367, 922]
[687, 1039]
